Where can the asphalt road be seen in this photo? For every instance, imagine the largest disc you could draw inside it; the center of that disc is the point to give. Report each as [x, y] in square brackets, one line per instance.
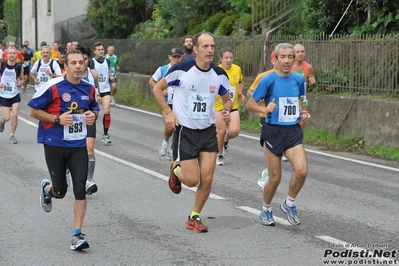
[348, 206]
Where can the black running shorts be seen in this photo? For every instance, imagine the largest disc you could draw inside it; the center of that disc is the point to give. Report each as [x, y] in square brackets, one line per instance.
[5, 102]
[280, 138]
[188, 143]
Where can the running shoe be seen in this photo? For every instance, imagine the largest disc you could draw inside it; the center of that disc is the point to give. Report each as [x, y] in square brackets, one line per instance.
[13, 140]
[91, 187]
[196, 224]
[2, 124]
[263, 178]
[106, 139]
[226, 146]
[68, 178]
[169, 155]
[113, 100]
[220, 160]
[174, 182]
[285, 159]
[291, 213]
[45, 201]
[164, 148]
[266, 218]
[78, 242]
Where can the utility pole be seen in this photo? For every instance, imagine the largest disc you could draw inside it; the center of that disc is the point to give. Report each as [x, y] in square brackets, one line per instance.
[36, 33]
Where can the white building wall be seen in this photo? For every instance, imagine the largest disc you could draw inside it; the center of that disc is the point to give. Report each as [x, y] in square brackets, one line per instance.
[60, 11]
[69, 9]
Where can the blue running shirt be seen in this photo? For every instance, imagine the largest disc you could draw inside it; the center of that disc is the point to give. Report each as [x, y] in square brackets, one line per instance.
[286, 92]
[56, 97]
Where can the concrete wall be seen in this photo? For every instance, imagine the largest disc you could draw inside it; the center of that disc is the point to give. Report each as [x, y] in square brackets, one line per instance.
[376, 120]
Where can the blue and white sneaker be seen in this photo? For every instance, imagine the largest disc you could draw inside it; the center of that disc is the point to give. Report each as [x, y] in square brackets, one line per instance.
[78, 242]
[266, 218]
[292, 216]
[45, 201]
[263, 178]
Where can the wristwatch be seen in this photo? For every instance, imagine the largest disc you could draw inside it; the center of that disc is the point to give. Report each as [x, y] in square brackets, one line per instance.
[57, 120]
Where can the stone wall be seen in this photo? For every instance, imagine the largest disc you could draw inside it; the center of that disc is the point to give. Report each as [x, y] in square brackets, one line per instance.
[375, 120]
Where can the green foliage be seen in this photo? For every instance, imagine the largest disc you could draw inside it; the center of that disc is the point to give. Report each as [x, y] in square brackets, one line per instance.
[243, 25]
[213, 22]
[3, 29]
[250, 125]
[333, 142]
[241, 6]
[195, 25]
[324, 16]
[115, 19]
[384, 152]
[129, 93]
[11, 15]
[226, 26]
[156, 29]
[177, 13]
[122, 18]
[126, 63]
[246, 22]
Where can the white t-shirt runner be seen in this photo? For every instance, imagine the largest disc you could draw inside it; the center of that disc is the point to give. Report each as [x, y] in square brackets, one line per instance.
[9, 79]
[41, 72]
[103, 75]
[195, 91]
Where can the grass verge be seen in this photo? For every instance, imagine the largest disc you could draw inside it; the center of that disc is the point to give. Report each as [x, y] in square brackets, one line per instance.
[128, 93]
[332, 142]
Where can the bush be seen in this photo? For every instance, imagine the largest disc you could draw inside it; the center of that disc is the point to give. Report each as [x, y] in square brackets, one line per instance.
[246, 22]
[126, 63]
[3, 29]
[195, 25]
[213, 22]
[226, 25]
[11, 15]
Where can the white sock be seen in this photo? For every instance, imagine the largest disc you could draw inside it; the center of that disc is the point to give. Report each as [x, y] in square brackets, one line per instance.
[290, 201]
[267, 207]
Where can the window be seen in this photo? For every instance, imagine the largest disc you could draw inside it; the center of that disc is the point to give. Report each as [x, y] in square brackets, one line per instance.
[48, 6]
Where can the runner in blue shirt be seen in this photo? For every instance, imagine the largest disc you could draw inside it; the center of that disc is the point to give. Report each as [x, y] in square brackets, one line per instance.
[281, 132]
[65, 106]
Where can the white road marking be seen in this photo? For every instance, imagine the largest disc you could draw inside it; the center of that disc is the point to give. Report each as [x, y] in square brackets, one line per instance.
[138, 110]
[150, 172]
[256, 212]
[339, 243]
